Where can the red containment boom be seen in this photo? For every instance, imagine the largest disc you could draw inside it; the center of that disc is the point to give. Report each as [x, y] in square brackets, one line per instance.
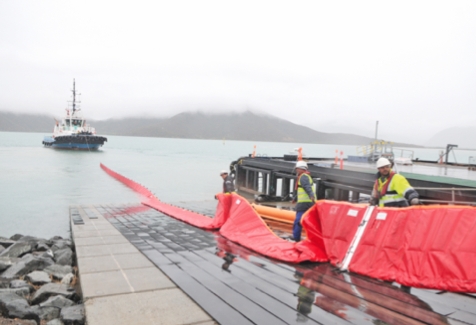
[423, 246]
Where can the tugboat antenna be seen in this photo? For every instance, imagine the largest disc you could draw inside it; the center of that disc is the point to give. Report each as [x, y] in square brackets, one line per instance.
[74, 95]
[74, 98]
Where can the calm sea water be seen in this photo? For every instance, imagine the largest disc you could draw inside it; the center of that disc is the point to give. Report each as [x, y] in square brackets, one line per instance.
[37, 184]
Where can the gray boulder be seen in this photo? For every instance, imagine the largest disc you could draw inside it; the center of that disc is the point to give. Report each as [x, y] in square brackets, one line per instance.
[53, 239]
[58, 271]
[57, 301]
[53, 289]
[40, 254]
[48, 313]
[26, 265]
[42, 247]
[38, 244]
[5, 242]
[14, 306]
[38, 277]
[60, 244]
[55, 322]
[16, 237]
[64, 256]
[22, 292]
[14, 284]
[47, 253]
[4, 283]
[18, 249]
[30, 239]
[73, 315]
[6, 262]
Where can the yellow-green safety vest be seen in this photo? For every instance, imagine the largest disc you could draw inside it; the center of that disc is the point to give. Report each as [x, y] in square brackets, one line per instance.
[301, 193]
[396, 190]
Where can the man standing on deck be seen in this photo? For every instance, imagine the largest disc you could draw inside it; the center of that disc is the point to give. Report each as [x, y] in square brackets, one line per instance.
[392, 189]
[306, 196]
[228, 185]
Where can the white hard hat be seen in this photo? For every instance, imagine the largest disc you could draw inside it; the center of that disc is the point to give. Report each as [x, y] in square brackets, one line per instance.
[223, 172]
[383, 162]
[301, 165]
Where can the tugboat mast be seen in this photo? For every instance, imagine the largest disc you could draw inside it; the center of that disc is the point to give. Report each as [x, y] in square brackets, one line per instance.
[73, 103]
[74, 95]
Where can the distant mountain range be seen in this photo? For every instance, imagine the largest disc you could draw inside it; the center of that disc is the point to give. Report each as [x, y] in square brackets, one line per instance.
[246, 126]
[26, 123]
[464, 137]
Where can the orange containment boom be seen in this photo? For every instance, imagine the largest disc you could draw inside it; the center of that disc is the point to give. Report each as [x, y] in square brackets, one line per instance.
[285, 216]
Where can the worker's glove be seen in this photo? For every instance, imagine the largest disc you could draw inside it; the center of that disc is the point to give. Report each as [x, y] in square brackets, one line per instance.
[293, 201]
[373, 201]
[414, 201]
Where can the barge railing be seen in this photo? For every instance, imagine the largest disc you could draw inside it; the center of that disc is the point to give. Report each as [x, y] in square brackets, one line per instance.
[453, 195]
[275, 177]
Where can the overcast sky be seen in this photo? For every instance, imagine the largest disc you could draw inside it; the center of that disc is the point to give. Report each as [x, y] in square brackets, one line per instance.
[335, 66]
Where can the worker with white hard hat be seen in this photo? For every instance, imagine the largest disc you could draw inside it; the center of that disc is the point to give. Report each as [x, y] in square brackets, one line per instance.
[305, 196]
[228, 185]
[392, 189]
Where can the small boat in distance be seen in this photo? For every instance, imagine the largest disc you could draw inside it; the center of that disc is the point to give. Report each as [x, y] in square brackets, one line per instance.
[73, 132]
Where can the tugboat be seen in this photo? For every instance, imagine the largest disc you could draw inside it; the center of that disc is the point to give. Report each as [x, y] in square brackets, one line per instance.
[73, 132]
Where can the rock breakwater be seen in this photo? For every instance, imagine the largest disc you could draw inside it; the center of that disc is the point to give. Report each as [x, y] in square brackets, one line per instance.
[38, 281]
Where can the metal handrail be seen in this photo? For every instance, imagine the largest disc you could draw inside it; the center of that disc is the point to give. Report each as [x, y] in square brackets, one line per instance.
[404, 153]
[445, 188]
[449, 202]
[452, 189]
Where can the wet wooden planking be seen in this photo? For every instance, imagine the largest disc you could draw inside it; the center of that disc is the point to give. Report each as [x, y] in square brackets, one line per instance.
[288, 297]
[194, 280]
[270, 288]
[272, 304]
[280, 275]
[223, 313]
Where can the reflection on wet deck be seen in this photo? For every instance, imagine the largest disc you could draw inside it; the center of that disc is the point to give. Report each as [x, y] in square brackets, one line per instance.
[236, 286]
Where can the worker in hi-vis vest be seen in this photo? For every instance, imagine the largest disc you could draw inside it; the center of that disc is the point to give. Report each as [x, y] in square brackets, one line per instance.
[392, 189]
[305, 196]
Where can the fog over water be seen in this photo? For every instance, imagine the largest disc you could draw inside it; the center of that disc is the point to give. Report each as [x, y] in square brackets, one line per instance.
[332, 66]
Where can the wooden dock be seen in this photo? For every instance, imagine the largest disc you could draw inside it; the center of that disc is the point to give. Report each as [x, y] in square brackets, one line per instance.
[179, 274]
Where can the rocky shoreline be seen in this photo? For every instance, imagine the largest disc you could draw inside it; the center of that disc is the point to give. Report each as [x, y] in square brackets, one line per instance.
[38, 282]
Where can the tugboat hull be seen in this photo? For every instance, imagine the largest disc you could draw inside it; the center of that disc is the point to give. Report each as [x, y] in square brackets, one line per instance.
[75, 142]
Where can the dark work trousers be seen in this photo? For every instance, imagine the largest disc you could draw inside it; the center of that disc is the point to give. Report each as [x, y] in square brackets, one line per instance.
[297, 228]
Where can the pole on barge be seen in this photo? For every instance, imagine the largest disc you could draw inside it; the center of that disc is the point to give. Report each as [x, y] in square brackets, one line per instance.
[376, 131]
